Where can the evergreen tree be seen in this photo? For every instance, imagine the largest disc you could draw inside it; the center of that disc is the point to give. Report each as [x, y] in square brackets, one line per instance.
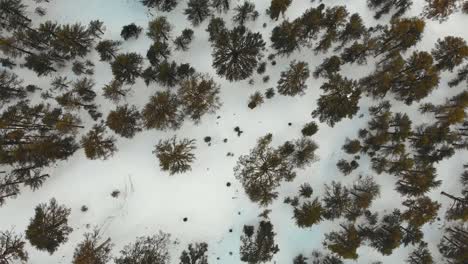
[462, 75]
[221, 5]
[341, 100]
[159, 29]
[115, 91]
[286, 37]
[440, 9]
[41, 64]
[261, 171]
[127, 67]
[245, 12]
[335, 201]
[13, 14]
[162, 112]
[215, 29]
[292, 81]
[196, 254]
[108, 49]
[450, 52]
[131, 31]
[11, 87]
[333, 21]
[258, 247]
[146, 250]
[184, 40]
[255, 100]
[166, 74]
[383, 7]
[12, 247]
[175, 156]
[347, 167]
[420, 255]
[86, 67]
[278, 7]
[197, 11]
[454, 244]
[124, 120]
[320, 258]
[236, 53]
[80, 96]
[97, 145]
[344, 243]
[403, 34]
[303, 153]
[328, 67]
[158, 52]
[199, 95]
[93, 250]
[411, 80]
[420, 211]
[308, 214]
[458, 209]
[358, 52]
[49, 227]
[162, 5]
[309, 129]
[300, 259]
[353, 30]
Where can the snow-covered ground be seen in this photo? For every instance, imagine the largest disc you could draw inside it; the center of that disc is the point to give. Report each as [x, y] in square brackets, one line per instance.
[151, 200]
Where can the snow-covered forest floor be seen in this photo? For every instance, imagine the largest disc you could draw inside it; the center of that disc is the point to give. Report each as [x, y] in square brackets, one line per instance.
[152, 200]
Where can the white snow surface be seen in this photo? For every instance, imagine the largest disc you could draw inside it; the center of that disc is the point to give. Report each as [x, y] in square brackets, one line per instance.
[152, 200]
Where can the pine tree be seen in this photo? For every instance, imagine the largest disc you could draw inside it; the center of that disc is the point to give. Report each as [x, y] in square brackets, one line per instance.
[197, 11]
[462, 75]
[458, 209]
[115, 91]
[420, 255]
[353, 30]
[450, 52]
[333, 21]
[196, 254]
[309, 129]
[261, 171]
[344, 243]
[277, 8]
[175, 156]
[292, 81]
[162, 5]
[124, 120]
[454, 244]
[420, 211]
[93, 250]
[199, 95]
[80, 67]
[320, 258]
[304, 153]
[13, 14]
[410, 80]
[159, 29]
[383, 7]
[184, 40]
[255, 100]
[328, 67]
[158, 52]
[11, 87]
[286, 37]
[236, 53]
[358, 52]
[131, 31]
[108, 49]
[335, 201]
[162, 112]
[341, 100]
[80, 96]
[41, 64]
[166, 74]
[440, 9]
[147, 250]
[403, 34]
[98, 145]
[221, 5]
[12, 247]
[49, 227]
[215, 29]
[347, 167]
[245, 12]
[258, 247]
[308, 214]
[127, 67]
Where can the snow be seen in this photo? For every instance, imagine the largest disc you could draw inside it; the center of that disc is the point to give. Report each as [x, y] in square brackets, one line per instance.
[152, 200]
